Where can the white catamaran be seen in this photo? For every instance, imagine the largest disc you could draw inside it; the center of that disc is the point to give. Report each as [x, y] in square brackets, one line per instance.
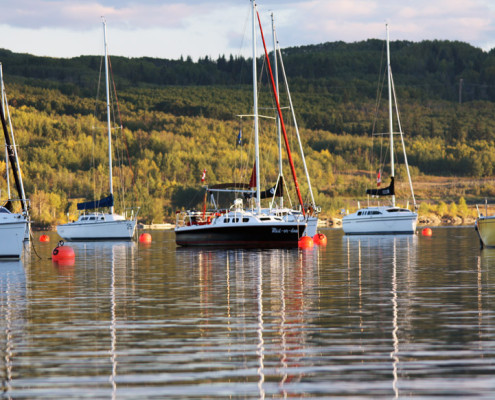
[101, 225]
[247, 226]
[14, 227]
[391, 219]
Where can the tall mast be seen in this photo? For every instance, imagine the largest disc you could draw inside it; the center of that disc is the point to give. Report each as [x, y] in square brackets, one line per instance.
[255, 106]
[282, 125]
[279, 134]
[109, 125]
[17, 168]
[391, 124]
[7, 173]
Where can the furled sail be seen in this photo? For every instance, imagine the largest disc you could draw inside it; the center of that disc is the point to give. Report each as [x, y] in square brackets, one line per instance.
[387, 191]
[276, 190]
[91, 205]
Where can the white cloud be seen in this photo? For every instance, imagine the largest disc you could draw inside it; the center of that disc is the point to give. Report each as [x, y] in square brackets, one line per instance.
[164, 28]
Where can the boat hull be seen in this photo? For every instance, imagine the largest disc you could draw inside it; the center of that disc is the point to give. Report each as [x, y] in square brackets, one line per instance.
[104, 230]
[262, 235]
[380, 224]
[12, 239]
[311, 226]
[485, 227]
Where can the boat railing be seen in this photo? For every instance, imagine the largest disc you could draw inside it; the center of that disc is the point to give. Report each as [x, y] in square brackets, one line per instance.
[132, 212]
[5, 203]
[190, 218]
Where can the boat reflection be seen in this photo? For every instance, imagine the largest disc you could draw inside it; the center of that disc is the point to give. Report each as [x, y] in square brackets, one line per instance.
[12, 317]
[267, 292]
[123, 264]
[391, 259]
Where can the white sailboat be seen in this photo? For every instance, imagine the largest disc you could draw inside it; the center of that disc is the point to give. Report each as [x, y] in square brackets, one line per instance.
[101, 225]
[391, 219]
[13, 226]
[241, 226]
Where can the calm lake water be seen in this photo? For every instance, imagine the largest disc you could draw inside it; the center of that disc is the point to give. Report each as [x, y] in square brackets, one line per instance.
[363, 317]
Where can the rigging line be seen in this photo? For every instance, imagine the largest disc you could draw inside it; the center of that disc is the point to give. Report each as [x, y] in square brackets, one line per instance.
[94, 127]
[120, 120]
[282, 124]
[402, 140]
[379, 91]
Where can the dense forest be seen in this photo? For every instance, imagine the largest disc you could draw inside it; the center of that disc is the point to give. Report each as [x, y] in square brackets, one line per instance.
[180, 117]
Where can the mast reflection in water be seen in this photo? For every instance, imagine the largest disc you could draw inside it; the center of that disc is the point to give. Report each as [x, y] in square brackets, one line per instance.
[371, 317]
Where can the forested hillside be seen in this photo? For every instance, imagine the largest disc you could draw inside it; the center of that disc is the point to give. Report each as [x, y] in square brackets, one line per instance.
[180, 117]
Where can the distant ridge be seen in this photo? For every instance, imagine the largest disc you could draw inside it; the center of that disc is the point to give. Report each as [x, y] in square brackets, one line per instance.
[431, 69]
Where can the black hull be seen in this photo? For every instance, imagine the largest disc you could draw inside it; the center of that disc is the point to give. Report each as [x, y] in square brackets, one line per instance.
[260, 236]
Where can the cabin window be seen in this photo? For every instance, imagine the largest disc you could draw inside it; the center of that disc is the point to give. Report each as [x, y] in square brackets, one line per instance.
[92, 218]
[265, 219]
[376, 213]
[226, 220]
[235, 219]
[359, 213]
[245, 220]
[84, 218]
[101, 218]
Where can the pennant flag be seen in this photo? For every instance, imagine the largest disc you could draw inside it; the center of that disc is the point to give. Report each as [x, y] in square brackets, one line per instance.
[378, 178]
[204, 175]
[239, 138]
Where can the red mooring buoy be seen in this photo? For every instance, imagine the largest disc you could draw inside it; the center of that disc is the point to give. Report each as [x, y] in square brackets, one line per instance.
[320, 239]
[306, 242]
[145, 238]
[63, 253]
[44, 238]
[427, 232]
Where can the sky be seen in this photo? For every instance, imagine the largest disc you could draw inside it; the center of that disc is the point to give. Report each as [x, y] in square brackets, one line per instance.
[198, 28]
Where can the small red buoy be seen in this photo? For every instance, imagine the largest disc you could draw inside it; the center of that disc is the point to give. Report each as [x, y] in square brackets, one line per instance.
[427, 232]
[306, 242]
[44, 238]
[145, 238]
[62, 252]
[320, 239]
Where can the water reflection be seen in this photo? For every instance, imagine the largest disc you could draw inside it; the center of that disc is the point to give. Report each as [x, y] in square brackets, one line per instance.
[270, 295]
[382, 253]
[370, 317]
[12, 310]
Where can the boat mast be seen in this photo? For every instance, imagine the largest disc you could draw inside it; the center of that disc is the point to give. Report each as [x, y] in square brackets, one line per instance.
[109, 125]
[17, 167]
[279, 134]
[391, 124]
[255, 107]
[279, 110]
[291, 106]
[7, 174]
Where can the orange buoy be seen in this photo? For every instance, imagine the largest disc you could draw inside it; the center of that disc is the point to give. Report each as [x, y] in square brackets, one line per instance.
[320, 239]
[64, 266]
[427, 232]
[44, 238]
[62, 252]
[306, 242]
[145, 238]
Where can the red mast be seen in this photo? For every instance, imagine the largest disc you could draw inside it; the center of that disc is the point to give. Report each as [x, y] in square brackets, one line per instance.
[275, 95]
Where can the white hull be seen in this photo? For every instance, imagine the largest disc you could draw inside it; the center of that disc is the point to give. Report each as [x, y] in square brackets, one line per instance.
[311, 227]
[12, 238]
[380, 221]
[485, 227]
[97, 229]
[287, 214]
